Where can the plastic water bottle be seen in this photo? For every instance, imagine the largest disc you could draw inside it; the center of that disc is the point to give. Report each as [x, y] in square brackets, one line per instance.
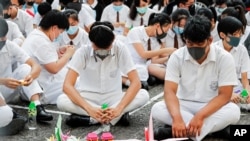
[105, 127]
[244, 95]
[32, 116]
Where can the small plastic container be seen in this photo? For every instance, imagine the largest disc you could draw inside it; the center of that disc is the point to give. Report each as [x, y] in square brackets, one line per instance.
[92, 137]
[107, 136]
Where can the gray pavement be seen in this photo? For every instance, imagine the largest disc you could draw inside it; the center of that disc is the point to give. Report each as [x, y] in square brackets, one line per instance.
[139, 120]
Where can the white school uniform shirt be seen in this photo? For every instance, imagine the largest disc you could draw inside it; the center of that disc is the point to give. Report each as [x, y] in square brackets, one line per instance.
[156, 8]
[247, 15]
[85, 18]
[24, 22]
[246, 33]
[138, 35]
[101, 76]
[109, 14]
[214, 33]
[200, 82]
[137, 22]
[39, 47]
[81, 39]
[9, 54]
[241, 58]
[37, 19]
[169, 40]
[14, 34]
[89, 9]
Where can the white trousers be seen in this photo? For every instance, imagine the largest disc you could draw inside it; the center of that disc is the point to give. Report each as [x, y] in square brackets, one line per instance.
[6, 114]
[20, 73]
[96, 100]
[228, 114]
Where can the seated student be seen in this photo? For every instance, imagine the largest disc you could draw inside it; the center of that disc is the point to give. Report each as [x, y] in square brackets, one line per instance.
[198, 86]
[230, 30]
[98, 67]
[144, 44]
[10, 122]
[41, 48]
[14, 34]
[27, 71]
[18, 16]
[42, 9]
[75, 35]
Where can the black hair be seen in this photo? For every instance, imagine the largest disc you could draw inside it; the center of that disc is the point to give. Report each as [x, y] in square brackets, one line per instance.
[3, 27]
[54, 17]
[21, 2]
[5, 3]
[197, 29]
[71, 13]
[237, 12]
[49, 1]
[237, 2]
[179, 14]
[208, 12]
[64, 2]
[220, 2]
[101, 34]
[133, 12]
[74, 5]
[160, 18]
[229, 25]
[44, 8]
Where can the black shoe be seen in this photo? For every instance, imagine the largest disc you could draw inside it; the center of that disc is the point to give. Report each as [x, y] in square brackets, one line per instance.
[16, 115]
[42, 115]
[144, 85]
[151, 80]
[15, 126]
[163, 132]
[75, 120]
[223, 134]
[124, 121]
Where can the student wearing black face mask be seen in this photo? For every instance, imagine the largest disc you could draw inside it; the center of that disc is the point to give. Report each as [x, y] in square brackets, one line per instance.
[197, 88]
[145, 43]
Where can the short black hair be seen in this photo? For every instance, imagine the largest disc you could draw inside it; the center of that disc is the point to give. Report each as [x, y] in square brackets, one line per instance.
[54, 17]
[101, 34]
[197, 29]
[5, 3]
[71, 13]
[229, 25]
[161, 18]
[74, 5]
[210, 13]
[44, 8]
[3, 27]
[179, 14]
[220, 2]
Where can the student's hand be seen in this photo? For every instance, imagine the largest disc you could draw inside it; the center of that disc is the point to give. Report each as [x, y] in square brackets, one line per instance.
[179, 128]
[61, 51]
[96, 113]
[116, 24]
[113, 113]
[248, 100]
[194, 126]
[28, 80]
[11, 83]
[235, 98]
[70, 50]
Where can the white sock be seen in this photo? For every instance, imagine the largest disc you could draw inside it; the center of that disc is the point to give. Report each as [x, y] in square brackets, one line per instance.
[127, 83]
[37, 102]
[93, 121]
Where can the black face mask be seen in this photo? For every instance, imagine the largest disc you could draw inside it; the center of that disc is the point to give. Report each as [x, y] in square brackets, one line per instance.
[160, 36]
[30, 3]
[191, 9]
[196, 52]
[2, 43]
[6, 16]
[102, 53]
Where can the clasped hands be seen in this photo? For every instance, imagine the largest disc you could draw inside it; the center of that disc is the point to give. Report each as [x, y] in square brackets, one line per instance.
[104, 115]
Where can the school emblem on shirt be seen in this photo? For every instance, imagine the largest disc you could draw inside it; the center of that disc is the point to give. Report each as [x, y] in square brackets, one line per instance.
[214, 85]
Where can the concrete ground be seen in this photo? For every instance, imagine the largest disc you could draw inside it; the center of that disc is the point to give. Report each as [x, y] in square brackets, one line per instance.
[139, 120]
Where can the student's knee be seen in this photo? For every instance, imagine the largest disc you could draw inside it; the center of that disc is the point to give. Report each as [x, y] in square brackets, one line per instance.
[144, 95]
[156, 108]
[61, 102]
[23, 70]
[5, 118]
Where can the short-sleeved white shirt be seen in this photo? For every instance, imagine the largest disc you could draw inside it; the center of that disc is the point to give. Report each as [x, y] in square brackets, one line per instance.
[169, 40]
[39, 46]
[214, 33]
[200, 82]
[9, 54]
[139, 35]
[137, 22]
[14, 34]
[101, 76]
[241, 58]
[24, 22]
[81, 39]
[85, 18]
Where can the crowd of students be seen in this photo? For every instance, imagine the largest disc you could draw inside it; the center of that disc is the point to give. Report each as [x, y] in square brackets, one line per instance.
[81, 54]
